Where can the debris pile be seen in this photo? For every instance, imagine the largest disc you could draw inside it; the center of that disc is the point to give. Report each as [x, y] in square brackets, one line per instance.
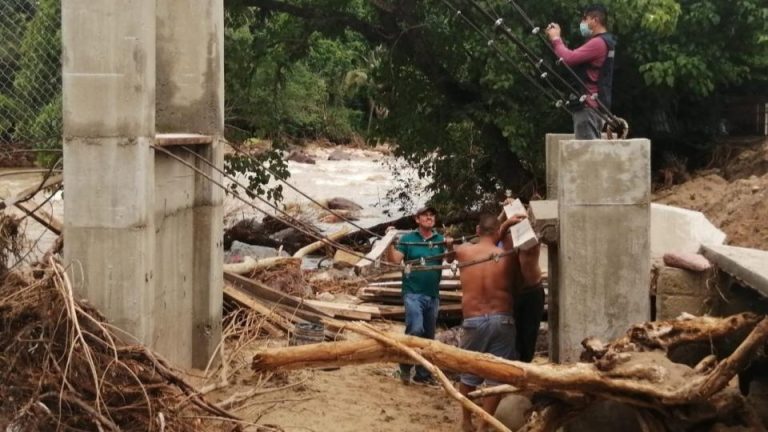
[65, 368]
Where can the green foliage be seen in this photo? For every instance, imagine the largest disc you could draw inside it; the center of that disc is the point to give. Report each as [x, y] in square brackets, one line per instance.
[472, 122]
[30, 73]
[284, 81]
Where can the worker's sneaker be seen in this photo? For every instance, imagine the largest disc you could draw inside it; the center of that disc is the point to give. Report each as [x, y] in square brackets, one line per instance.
[429, 381]
[405, 379]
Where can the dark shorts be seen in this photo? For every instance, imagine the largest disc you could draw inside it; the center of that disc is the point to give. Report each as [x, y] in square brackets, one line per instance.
[491, 334]
[529, 310]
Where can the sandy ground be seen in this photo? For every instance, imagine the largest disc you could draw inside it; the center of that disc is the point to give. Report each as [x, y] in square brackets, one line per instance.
[354, 398]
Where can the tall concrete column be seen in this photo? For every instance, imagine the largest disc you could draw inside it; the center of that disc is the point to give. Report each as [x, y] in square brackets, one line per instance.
[190, 99]
[603, 195]
[109, 117]
[552, 152]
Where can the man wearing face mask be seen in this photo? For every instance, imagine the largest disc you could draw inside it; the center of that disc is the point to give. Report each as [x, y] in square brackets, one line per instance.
[593, 63]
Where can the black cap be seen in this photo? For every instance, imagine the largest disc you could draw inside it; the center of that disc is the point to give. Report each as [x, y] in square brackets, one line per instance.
[425, 209]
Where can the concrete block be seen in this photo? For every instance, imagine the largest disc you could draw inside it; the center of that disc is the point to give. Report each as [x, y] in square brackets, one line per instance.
[109, 182]
[605, 172]
[190, 66]
[675, 229]
[746, 265]
[108, 68]
[675, 281]
[604, 274]
[671, 306]
[552, 154]
[172, 306]
[545, 220]
[113, 269]
[523, 236]
[604, 250]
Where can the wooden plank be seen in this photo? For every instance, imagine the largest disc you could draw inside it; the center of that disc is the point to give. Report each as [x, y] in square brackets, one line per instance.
[266, 293]
[399, 311]
[395, 292]
[172, 139]
[346, 258]
[239, 296]
[397, 276]
[348, 311]
[378, 249]
[523, 236]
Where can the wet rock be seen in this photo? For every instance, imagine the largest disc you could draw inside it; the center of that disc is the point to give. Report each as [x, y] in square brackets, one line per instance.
[339, 203]
[301, 157]
[254, 251]
[249, 231]
[325, 296]
[339, 155]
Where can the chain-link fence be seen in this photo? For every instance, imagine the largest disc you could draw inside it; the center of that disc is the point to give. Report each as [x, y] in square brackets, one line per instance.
[30, 73]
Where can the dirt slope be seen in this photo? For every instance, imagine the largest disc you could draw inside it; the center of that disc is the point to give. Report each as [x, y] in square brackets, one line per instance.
[734, 197]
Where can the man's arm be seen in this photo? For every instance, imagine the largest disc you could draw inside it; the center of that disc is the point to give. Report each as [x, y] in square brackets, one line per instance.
[593, 49]
[394, 255]
[504, 235]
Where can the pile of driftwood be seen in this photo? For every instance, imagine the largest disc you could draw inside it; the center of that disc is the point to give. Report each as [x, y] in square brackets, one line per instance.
[633, 370]
[64, 368]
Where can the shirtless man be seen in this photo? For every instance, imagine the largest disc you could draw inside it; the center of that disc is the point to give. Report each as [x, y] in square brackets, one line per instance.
[487, 307]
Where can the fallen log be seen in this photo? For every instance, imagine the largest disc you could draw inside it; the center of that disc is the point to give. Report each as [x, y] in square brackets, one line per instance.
[308, 249]
[642, 383]
[250, 265]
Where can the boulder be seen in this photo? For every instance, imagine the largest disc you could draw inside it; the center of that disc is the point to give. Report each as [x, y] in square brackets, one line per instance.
[301, 157]
[254, 251]
[248, 231]
[339, 203]
[339, 155]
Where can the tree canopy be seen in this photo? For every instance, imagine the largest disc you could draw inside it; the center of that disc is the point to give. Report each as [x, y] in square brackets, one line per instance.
[411, 73]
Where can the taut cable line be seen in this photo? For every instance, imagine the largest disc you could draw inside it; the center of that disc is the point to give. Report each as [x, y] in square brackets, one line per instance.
[555, 94]
[406, 268]
[286, 218]
[537, 31]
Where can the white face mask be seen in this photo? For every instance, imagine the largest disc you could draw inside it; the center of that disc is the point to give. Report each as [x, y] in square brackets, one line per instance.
[584, 29]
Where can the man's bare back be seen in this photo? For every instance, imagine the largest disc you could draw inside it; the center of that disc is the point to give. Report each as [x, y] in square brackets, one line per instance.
[485, 286]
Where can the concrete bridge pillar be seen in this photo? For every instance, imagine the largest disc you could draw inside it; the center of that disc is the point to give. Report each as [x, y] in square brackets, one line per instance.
[603, 268]
[143, 233]
[109, 124]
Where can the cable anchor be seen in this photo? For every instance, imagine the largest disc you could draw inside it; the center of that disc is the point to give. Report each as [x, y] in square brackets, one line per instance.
[454, 267]
[498, 22]
[535, 30]
[407, 270]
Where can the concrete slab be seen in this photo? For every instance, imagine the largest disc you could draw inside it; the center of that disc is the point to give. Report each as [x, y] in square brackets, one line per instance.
[674, 229]
[749, 266]
[605, 172]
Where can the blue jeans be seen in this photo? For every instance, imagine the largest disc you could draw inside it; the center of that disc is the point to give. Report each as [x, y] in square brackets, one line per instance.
[420, 320]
